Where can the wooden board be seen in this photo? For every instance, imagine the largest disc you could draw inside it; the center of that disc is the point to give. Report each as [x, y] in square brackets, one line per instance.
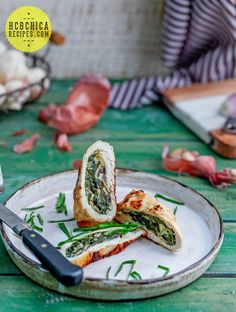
[198, 108]
[139, 146]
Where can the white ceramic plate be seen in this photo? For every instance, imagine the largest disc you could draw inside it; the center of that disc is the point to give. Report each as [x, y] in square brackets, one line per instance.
[199, 221]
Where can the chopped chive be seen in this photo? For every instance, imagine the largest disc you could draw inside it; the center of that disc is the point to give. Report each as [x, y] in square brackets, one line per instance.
[32, 208]
[175, 210]
[64, 229]
[31, 222]
[130, 226]
[132, 262]
[166, 269]
[174, 201]
[61, 204]
[136, 275]
[78, 236]
[37, 228]
[58, 221]
[107, 272]
[40, 219]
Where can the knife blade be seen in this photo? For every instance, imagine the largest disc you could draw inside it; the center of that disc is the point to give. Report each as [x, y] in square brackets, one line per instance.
[63, 270]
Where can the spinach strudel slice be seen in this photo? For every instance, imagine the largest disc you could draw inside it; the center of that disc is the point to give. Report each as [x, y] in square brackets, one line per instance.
[100, 241]
[158, 221]
[94, 193]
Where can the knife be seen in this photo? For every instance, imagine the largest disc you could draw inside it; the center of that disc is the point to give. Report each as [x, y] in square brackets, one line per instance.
[63, 270]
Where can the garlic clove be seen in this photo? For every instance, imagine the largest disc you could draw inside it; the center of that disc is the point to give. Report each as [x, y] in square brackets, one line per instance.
[11, 64]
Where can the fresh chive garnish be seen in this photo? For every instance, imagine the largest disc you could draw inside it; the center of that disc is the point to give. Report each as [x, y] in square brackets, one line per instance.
[121, 230]
[175, 210]
[32, 208]
[136, 275]
[40, 219]
[174, 201]
[166, 269]
[129, 226]
[107, 272]
[132, 262]
[64, 229]
[61, 204]
[31, 222]
[59, 221]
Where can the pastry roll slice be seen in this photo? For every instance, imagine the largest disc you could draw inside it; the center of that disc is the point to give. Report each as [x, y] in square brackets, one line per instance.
[94, 193]
[159, 221]
[94, 243]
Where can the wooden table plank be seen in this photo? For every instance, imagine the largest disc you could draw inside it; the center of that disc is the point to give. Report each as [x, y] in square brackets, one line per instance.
[207, 294]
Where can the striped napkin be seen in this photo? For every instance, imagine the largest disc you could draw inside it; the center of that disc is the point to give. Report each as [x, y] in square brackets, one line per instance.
[198, 42]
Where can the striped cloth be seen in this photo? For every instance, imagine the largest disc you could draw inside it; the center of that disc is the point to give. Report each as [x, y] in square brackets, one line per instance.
[198, 42]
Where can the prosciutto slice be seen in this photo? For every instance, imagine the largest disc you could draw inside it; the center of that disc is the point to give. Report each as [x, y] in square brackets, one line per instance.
[82, 109]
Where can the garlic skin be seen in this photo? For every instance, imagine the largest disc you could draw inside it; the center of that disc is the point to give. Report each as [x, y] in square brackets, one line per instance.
[12, 66]
[36, 75]
[3, 47]
[228, 107]
[2, 91]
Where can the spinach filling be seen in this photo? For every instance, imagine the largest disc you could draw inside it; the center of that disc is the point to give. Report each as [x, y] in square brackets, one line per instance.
[82, 244]
[156, 225]
[96, 187]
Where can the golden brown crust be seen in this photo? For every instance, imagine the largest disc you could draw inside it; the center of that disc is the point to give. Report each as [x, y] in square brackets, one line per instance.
[138, 201]
[92, 256]
[80, 214]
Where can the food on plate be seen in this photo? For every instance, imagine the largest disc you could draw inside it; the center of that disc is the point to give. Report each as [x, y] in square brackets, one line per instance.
[159, 221]
[94, 193]
[83, 108]
[97, 242]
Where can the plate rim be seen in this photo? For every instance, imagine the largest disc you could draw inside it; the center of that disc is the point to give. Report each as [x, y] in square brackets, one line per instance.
[116, 281]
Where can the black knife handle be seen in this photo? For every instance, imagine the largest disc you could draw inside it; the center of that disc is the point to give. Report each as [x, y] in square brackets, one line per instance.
[64, 271]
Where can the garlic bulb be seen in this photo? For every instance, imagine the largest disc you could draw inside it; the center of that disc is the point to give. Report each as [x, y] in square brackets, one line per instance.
[12, 66]
[2, 97]
[15, 102]
[14, 85]
[36, 75]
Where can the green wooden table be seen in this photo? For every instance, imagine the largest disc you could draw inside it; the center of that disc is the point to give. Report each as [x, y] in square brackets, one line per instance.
[138, 137]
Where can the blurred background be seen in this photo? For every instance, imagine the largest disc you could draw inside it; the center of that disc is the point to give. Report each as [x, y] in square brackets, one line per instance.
[117, 38]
